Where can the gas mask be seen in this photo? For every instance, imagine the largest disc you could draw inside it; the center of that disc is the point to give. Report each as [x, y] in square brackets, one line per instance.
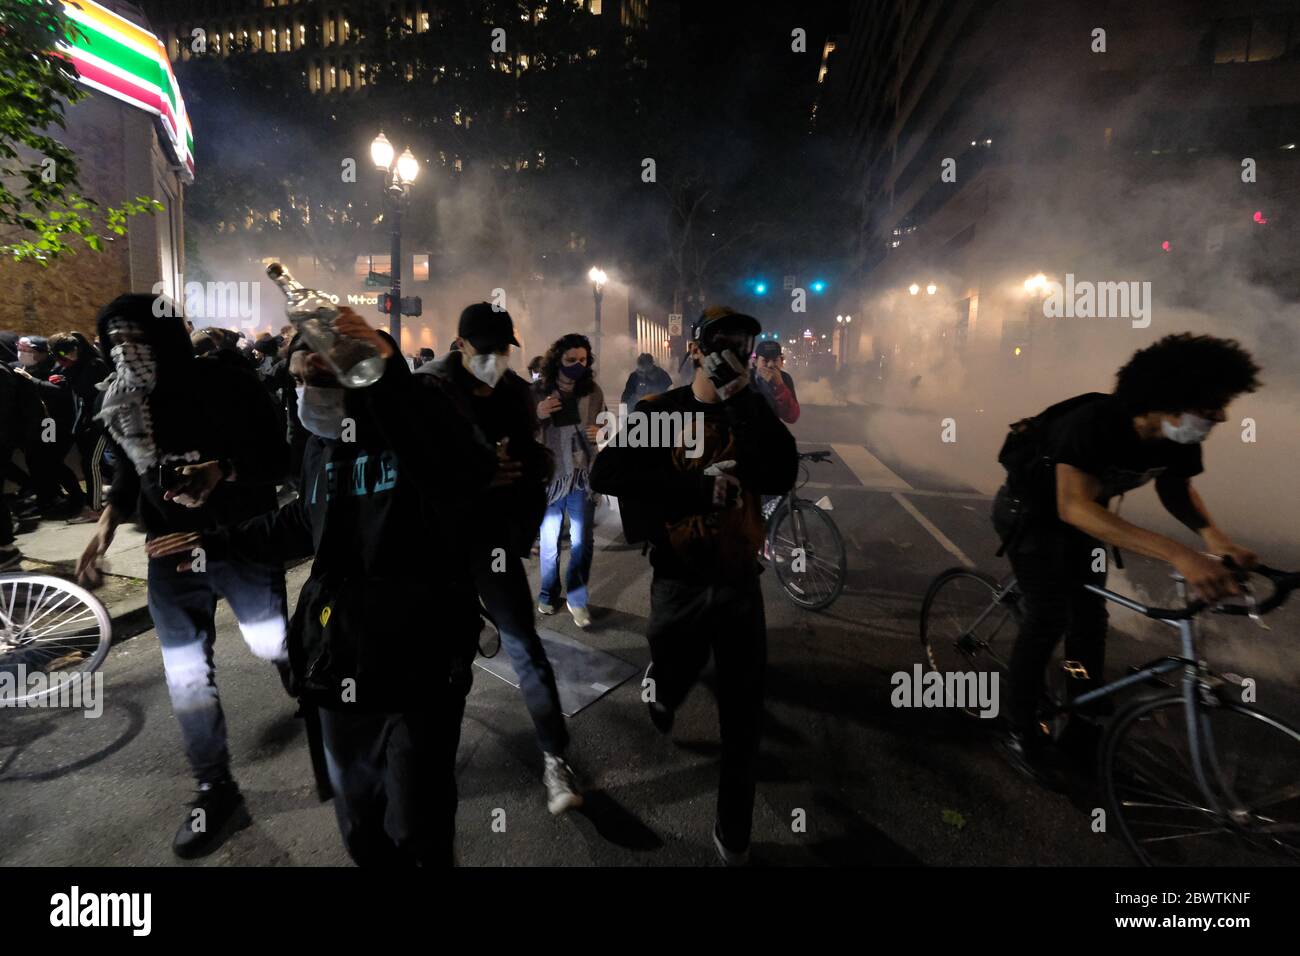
[321, 410]
[488, 367]
[1190, 429]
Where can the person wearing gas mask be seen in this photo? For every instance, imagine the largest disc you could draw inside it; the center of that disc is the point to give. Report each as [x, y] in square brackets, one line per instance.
[569, 403]
[648, 379]
[502, 520]
[197, 445]
[1064, 466]
[386, 470]
[698, 507]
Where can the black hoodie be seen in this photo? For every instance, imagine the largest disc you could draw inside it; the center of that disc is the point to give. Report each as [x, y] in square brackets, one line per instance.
[202, 410]
[389, 598]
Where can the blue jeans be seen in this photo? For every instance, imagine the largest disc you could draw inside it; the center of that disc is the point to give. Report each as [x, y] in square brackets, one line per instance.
[505, 595]
[581, 510]
[183, 605]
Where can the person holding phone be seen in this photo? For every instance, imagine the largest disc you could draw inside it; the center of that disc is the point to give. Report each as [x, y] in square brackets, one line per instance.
[198, 445]
[568, 403]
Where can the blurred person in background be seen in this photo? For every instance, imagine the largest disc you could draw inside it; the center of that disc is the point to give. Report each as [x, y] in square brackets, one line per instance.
[648, 379]
[773, 382]
[47, 458]
[84, 370]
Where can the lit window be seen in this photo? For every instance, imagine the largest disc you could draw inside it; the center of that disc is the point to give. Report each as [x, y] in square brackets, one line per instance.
[595, 7]
[420, 268]
[423, 22]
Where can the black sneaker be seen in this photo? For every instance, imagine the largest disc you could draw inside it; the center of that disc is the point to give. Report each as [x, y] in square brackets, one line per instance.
[661, 715]
[1029, 756]
[216, 812]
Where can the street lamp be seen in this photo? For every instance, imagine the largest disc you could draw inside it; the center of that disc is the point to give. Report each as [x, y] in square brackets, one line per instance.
[931, 289]
[914, 288]
[399, 176]
[598, 279]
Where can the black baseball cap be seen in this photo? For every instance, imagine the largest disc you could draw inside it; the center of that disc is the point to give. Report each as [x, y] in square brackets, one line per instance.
[485, 328]
[768, 349]
[719, 317]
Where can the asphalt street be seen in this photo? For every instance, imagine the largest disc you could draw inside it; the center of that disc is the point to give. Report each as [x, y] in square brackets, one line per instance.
[872, 784]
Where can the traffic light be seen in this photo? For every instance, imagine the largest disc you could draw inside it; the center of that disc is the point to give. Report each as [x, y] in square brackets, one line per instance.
[385, 303]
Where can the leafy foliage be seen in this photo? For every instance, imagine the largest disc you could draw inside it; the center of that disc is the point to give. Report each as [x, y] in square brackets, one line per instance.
[42, 208]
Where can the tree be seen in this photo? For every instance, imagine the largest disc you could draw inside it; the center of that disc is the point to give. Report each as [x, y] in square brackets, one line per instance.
[42, 207]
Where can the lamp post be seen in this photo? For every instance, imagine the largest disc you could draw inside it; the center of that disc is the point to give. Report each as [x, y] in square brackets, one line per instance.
[598, 280]
[399, 175]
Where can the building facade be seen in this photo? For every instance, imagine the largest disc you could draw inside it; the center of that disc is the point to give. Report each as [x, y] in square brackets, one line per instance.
[131, 138]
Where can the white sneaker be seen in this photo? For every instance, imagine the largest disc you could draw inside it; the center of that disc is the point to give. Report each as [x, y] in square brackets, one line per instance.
[561, 789]
[545, 609]
[580, 616]
[728, 857]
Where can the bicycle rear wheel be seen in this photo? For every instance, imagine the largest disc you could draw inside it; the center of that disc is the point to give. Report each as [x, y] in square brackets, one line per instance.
[963, 624]
[808, 554]
[1252, 764]
[51, 627]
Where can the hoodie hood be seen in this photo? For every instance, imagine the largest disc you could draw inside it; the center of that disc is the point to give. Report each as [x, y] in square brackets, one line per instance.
[8, 347]
[166, 333]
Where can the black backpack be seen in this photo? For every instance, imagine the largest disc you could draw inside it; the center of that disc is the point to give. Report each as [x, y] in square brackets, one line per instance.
[1031, 481]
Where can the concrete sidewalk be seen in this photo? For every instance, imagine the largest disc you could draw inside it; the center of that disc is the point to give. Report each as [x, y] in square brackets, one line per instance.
[54, 548]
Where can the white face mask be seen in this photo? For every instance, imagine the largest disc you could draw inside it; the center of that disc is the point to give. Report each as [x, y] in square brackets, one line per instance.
[321, 410]
[535, 375]
[1189, 430]
[488, 368]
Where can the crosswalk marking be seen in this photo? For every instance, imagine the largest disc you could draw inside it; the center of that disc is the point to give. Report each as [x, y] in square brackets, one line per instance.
[944, 541]
[869, 469]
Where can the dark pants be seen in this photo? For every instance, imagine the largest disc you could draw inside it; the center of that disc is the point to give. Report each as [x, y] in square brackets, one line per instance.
[392, 782]
[183, 605]
[6, 519]
[687, 621]
[1052, 565]
[91, 443]
[50, 472]
[509, 600]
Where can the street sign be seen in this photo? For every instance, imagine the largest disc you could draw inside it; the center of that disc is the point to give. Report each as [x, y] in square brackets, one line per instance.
[674, 323]
[378, 280]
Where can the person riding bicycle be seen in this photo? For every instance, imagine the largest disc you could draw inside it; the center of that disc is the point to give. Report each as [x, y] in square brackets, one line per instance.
[1064, 467]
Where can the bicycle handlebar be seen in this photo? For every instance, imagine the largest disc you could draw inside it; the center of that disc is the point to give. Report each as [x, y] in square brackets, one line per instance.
[1284, 582]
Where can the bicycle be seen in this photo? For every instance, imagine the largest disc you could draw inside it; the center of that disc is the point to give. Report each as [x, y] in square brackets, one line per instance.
[804, 545]
[52, 627]
[1186, 769]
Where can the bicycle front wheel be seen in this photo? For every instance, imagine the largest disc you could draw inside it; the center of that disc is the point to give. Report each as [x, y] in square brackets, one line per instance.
[48, 627]
[1251, 762]
[808, 554]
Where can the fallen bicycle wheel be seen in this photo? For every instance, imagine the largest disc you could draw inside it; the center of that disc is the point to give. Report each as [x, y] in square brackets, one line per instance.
[49, 627]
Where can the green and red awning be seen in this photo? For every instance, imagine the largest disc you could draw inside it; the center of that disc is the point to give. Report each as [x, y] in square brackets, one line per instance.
[125, 61]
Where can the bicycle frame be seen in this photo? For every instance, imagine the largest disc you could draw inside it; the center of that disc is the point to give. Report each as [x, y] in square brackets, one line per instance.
[1194, 673]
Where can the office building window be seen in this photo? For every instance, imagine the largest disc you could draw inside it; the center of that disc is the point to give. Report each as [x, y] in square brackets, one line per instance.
[420, 268]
